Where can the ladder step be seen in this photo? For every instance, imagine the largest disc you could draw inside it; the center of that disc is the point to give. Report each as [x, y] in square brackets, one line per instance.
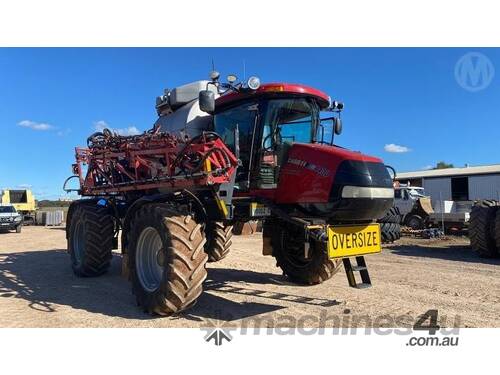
[363, 285]
[363, 272]
[359, 268]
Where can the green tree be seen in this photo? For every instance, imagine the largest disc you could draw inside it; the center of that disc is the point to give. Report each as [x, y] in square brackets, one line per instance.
[443, 165]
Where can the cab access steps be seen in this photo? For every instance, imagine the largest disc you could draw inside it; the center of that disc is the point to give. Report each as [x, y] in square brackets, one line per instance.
[359, 267]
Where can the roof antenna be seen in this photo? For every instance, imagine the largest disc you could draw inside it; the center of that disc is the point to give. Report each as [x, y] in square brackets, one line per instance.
[244, 71]
[214, 75]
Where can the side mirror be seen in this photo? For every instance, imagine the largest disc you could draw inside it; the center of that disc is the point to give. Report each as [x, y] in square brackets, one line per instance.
[337, 125]
[207, 101]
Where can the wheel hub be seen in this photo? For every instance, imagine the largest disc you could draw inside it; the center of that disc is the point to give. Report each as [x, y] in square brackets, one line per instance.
[150, 259]
[160, 257]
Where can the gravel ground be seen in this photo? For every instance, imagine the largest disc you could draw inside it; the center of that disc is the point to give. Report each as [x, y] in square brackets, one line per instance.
[38, 289]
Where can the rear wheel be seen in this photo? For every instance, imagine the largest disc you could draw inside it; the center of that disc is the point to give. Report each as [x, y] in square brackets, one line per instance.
[90, 240]
[482, 228]
[288, 250]
[166, 259]
[390, 232]
[218, 240]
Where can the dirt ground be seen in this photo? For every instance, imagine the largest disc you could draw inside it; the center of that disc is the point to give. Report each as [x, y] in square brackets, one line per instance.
[38, 289]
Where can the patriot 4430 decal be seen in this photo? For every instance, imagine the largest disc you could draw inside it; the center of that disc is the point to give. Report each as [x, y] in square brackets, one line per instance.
[322, 171]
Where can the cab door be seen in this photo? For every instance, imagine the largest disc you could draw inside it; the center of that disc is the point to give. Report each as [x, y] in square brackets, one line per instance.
[243, 117]
[403, 201]
[284, 122]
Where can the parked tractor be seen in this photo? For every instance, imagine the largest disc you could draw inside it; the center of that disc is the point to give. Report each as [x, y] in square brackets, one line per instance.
[222, 153]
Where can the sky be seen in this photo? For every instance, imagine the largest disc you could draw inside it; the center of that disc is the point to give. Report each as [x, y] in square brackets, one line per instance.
[403, 105]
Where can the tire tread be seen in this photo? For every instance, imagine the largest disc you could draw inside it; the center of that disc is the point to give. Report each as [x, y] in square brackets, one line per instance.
[390, 232]
[99, 232]
[483, 229]
[185, 268]
[391, 216]
[219, 240]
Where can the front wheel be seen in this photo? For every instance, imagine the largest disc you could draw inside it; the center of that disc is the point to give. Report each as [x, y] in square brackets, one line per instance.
[166, 259]
[288, 249]
[18, 228]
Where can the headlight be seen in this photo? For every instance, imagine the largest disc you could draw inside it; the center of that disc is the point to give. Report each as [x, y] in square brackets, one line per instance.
[367, 192]
[17, 218]
[253, 83]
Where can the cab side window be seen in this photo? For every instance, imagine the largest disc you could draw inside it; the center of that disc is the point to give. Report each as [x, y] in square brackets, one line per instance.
[225, 123]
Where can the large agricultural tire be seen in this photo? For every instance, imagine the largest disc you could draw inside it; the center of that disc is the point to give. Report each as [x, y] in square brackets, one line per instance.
[482, 228]
[288, 251]
[219, 241]
[90, 240]
[166, 259]
[390, 232]
[497, 231]
[391, 216]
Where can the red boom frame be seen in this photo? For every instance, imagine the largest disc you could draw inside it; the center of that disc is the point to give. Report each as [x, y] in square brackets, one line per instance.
[117, 164]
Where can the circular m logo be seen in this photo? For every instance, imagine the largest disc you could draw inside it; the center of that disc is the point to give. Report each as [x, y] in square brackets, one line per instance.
[474, 71]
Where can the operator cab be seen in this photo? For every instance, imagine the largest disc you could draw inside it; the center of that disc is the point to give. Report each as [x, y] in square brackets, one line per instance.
[267, 121]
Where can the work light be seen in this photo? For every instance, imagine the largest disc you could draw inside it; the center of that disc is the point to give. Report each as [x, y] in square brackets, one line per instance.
[253, 83]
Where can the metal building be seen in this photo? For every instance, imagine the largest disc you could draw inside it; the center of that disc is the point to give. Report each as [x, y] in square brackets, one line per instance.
[457, 184]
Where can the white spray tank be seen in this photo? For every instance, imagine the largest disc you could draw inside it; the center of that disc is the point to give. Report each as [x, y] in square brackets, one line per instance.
[179, 111]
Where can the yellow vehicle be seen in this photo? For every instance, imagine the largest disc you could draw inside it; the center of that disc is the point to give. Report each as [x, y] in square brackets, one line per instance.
[23, 201]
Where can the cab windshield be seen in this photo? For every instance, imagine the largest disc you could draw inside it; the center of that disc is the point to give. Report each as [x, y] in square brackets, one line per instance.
[288, 120]
[283, 120]
[266, 128]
